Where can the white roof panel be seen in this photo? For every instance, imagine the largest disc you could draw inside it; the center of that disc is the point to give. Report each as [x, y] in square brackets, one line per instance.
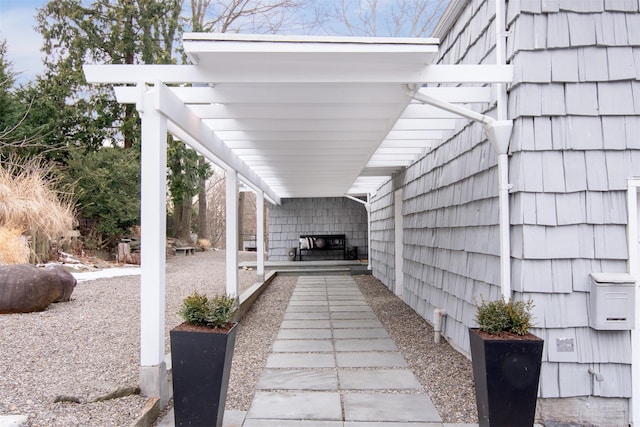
[306, 116]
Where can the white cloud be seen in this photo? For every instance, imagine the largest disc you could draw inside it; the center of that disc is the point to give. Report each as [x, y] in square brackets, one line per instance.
[17, 22]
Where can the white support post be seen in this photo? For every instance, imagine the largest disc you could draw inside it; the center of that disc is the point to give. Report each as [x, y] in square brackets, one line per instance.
[153, 375]
[260, 235]
[232, 232]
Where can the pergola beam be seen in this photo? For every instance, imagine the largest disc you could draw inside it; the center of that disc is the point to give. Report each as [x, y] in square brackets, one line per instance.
[132, 74]
[169, 105]
[246, 94]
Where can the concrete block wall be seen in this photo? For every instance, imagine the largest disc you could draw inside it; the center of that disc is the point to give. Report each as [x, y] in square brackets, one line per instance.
[303, 216]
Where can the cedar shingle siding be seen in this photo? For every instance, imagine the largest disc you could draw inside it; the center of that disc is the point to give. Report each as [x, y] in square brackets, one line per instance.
[575, 102]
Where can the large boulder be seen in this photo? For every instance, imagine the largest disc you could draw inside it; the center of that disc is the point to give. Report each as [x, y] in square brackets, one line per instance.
[25, 288]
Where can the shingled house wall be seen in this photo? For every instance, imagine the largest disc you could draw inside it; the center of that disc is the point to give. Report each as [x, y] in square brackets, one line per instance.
[575, 103]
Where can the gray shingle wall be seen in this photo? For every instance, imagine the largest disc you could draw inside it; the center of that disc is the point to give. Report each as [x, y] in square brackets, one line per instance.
[575, 104]
[571, 154]
[336, 215]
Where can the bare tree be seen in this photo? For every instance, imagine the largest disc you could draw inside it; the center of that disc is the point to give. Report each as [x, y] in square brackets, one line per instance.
[399, 18]
[258, 16]
[216, 214]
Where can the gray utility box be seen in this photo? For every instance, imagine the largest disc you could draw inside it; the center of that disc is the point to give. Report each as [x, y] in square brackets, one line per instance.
[612, 301]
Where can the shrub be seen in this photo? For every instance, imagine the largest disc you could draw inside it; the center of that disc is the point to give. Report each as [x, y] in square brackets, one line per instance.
[14, 248]
[499, 316]
[216, 312]
[31, 201]
[107, 184]
[204, 244]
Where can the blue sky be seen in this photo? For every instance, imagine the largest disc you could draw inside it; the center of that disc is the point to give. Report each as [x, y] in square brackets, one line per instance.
[17, 22]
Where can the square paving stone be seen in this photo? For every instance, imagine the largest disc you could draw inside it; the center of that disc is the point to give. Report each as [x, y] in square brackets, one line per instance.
[296, 406]
[298, 380]
[295, 423]
[373, 359]
[355, 296]
[316, 315]
[301, 334]
[378, 379]
[308, 302]
[308, 298]
[353, 315]
[356, 323]
[348, 302]
[302, 346]
[306, 308]
[350, 308]
[309, 292]
[305, 324]
[360, 333]
[297, 360]
[377, 424]
[374, 344]
[385, 407]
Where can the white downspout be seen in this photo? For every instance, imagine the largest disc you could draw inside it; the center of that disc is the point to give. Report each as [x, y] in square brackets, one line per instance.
[438, 314]
[368, 207]
[633, 225]
[503, 159]
[498, 132]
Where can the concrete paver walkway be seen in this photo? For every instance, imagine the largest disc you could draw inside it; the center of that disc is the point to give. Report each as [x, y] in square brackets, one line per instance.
[334, 365]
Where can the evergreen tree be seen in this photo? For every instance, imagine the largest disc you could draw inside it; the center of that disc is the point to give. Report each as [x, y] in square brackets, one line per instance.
[106, 32]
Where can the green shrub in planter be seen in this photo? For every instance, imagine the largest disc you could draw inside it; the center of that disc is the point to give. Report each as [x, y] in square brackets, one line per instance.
[499, 316]
[216, 312]
[506, 362]
[201, 354]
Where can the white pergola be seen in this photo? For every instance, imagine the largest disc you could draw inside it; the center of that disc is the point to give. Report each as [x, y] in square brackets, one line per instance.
[289, 116]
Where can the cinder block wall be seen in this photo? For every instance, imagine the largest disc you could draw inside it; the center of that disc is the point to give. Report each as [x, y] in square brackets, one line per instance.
[333, 215]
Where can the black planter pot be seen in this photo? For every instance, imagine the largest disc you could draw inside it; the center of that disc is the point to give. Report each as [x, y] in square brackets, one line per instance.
[506, 374]
[201, 364]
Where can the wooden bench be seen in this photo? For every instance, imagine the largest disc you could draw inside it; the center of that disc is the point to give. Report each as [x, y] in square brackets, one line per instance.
[322, 242]
[188, 250]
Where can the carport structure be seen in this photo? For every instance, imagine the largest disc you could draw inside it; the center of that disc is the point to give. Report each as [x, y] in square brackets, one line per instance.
[290, 117]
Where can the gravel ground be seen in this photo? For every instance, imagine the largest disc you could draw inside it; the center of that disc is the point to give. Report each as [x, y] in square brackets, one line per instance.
[88, 347]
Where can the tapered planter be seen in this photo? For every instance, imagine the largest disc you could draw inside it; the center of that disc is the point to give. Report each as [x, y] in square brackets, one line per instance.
[506, 374]
[201, 364]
